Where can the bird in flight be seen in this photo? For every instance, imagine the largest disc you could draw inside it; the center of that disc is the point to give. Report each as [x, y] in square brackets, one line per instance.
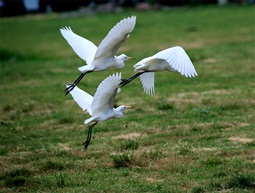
[100, 107]
[104, 56]
[171, 59]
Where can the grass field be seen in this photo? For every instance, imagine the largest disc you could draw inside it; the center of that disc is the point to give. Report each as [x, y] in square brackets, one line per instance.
[194, 135]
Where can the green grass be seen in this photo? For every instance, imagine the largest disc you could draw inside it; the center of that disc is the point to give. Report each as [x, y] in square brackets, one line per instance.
[194, 135]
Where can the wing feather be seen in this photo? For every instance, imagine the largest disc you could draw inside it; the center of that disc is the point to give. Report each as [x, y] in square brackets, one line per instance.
[178, 60]
[84, 48]
[106, 93]
[147, 80]
[116, 36]
[83, 99]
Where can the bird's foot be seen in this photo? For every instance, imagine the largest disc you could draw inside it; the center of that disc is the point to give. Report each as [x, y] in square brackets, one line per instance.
[86, 144]
[69, 88]
[124, 82]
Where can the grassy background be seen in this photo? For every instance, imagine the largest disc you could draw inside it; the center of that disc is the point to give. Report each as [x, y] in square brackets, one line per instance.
[194, 135]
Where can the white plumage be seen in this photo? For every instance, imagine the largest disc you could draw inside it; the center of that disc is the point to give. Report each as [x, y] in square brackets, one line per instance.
[101, 57]
[100, 107]
[171, 59]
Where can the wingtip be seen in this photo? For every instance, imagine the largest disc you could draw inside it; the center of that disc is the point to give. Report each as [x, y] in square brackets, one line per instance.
[150, 91]
[65, 28]
[133, 17]
[192, 75]
[117, 76]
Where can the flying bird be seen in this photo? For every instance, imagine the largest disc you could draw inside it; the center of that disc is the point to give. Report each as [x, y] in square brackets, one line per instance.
[100, 107]
[104, 56]
[171, 59]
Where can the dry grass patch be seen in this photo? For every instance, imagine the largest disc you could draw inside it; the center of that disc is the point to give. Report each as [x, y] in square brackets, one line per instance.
[132, 135]
[204, 149]
[182, 104]
[64, 146]
[241, 139]
[217, 92]
[153, 179]
[210, 60]
[193, 44]
[193, 95]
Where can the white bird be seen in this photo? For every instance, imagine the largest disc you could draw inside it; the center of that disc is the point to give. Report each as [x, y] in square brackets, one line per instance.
[171, 59]
[100, 107]
[101, 57]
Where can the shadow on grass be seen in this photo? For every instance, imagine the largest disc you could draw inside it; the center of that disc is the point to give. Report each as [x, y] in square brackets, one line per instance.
[16, 178]
[242, 181]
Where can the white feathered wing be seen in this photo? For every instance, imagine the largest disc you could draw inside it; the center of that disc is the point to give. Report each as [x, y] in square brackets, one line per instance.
[88, 51]
[103, 100]
[83, 99]
[116, 36]
[84, 48]
[177, 59]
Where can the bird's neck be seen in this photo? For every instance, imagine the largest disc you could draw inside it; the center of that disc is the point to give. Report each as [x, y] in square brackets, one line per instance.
[118, 113]
[120, 62]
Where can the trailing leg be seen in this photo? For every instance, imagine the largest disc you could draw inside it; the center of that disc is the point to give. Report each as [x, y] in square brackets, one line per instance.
[126, 81]
[86, 143]
[76, 82]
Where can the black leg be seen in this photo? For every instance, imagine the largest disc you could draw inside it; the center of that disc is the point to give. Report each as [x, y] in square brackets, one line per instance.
[86, 143]
[71, 87]
[126, 81]
[76, 82]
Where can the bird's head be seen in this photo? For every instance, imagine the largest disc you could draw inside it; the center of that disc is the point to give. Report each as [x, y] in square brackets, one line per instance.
[124, 57]
[121, 109]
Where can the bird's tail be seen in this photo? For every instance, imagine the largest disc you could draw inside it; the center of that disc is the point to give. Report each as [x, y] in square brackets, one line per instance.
[85, 68]
[90, 119]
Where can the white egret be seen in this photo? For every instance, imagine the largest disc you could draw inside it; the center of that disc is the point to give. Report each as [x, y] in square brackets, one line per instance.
[100, 107]
[171, 59]
[101, 57]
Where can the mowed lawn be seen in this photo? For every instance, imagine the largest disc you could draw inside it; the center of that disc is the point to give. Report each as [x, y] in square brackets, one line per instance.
[193, 135]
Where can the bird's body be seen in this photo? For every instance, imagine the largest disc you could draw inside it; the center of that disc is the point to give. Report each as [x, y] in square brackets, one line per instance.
[171, 59]
[100, 107]
[101, 57]
[105, 115]
[101, 64]
[153, 65]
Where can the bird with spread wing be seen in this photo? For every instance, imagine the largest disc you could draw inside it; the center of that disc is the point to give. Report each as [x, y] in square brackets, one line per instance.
[100, 107]
[171, 59]
[104, 56]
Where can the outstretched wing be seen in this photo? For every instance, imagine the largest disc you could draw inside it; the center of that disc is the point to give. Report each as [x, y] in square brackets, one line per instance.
[84, 48]
[147, 80]
[117, 35]
[178, 60]
[106, 93]
[83, 99]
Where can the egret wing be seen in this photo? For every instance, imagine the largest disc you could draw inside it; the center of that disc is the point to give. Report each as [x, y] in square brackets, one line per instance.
[106, 93]
[147, 80]
[116, 36]
[178, 60]
[84, 48]
[83, 99]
